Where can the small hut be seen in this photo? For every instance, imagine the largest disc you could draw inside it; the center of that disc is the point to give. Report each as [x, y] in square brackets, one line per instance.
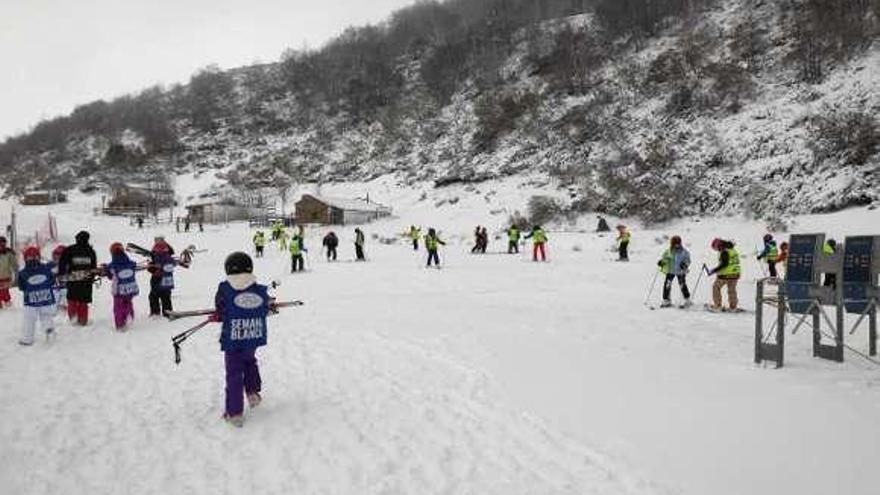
[315, 209]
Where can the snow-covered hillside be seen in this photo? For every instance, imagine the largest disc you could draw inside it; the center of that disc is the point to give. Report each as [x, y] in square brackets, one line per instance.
[707, 112]
[493, 375]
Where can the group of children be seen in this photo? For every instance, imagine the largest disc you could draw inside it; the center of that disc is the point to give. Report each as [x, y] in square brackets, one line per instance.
[295, 245]
[67, 282]
[675, 263]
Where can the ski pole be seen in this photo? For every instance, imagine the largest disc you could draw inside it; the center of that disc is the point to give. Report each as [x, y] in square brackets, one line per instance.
[703, 270]
[651, 290]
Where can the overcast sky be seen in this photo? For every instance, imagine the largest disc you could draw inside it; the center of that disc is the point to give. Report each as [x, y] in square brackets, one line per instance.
[56, 54]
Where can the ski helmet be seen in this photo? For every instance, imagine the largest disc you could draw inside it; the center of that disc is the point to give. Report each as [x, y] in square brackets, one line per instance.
[768, 237]
[82, 237]
[117, 248]
[675, 240]
[832, 243]
[238, 262]
[58, 251]
[31, 253]
[717, 244]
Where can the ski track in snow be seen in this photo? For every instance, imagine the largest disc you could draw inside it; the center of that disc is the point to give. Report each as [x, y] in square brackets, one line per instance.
[494, 375]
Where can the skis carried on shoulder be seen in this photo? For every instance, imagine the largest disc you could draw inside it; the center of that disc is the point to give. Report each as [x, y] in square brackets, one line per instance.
[184, 259]
[181, 337]
[177, 315]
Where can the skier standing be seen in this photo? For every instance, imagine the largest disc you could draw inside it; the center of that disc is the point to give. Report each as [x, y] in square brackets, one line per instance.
[432, 244]
[623, 238]
[242, 305]
[297, 262]
[513, 236]
[602, 226]
[674, 264]
[331, 242]
[414, 235]
[359, 241]
[259, 243]
[79, 262]
[283, 238]
[36, 281]
[828, 249]
[727, 274]
[122, 271]
[161, 269]
[8, 269]
[484, 240]
[770, 254]
[539, 239]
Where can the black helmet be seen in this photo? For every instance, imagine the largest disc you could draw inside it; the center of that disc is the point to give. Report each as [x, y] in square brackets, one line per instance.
[768, 237]
[82, 237]
[238, 262]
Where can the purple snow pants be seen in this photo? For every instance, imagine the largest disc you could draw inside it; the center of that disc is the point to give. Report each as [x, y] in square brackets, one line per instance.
[242, 375]
[123, 310]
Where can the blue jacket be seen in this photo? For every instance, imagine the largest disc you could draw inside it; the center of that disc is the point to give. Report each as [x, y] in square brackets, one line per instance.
[243, 313]
[675, 261]
[36, 282]
[122, 271]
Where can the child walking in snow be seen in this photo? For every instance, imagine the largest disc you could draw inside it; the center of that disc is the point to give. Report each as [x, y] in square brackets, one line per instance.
[770, 254]
[36, 282]
[60, 288]
[674, 264]
[161, 268]
[727, 274]
[623, 238]
[122, 270]
[242, 305]
[8, 269]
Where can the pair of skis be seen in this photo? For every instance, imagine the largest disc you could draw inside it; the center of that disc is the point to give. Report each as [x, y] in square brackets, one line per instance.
[84, 275]
[184, 259]
[178, 339]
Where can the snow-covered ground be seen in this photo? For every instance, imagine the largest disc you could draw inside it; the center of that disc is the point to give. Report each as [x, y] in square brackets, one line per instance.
[494, 375]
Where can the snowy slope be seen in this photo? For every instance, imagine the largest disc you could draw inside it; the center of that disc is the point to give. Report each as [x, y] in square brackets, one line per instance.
[493, 376]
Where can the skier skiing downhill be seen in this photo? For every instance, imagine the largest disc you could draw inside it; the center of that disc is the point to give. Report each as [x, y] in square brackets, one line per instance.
[242, 305]
[674, 264]
[539, 239]
[623, 238]
[161, 269]
[770, 254]
[432, 245]
[727, 274]
[79, 262]
[8, 269]
[36, 281]
[122, 270]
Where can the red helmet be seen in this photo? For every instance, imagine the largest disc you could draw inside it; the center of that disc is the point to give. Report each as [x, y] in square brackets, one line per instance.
[31, 253]
[58, 251]
[717, 244]
[117, 248]
[161, 247]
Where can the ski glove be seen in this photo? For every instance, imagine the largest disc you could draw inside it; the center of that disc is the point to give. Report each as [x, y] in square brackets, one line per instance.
[215, 318]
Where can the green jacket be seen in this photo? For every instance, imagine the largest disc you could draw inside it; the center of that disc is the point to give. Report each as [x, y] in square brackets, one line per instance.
[432, 243]
[733, 268]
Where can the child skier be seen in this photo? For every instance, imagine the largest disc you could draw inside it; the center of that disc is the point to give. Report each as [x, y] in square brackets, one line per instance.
[297, 263]
[36, 281]
[539, 238]
[623, 238]
[80, 263]
[414, 235]
[359, 241]
[674, 265]
[122, 270]
[432, 244]
[162, 280]
[728, 272]
[60, 288]
[770, 254]
[513, 236]
[259, 243]
[242, 305]
[283, 238]
[331, 242]
[8, 269]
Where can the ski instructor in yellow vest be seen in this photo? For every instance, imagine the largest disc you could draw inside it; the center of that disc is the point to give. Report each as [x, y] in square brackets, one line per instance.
[727, 274]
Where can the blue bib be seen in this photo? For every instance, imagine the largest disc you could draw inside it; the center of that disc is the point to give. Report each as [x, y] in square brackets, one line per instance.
[124, 279]
[244, 317]
[166, 271]
[37, 283]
